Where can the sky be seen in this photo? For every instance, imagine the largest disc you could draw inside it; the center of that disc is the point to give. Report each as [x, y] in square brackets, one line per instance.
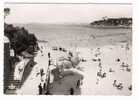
[65, 13]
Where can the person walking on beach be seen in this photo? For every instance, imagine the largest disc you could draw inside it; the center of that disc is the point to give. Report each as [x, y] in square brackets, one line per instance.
[48, 54]
[40, 89]
[49, 62]
[41, 73]
[44, 86]
[114, 83]
[78, 84]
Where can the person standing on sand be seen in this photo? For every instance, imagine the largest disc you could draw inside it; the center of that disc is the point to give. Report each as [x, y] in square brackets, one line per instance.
[44, 86]
[40, 89]
[114, 83]
[41, 73]
[49, 62]
[78, 84]
[71, 91]
[48, 54]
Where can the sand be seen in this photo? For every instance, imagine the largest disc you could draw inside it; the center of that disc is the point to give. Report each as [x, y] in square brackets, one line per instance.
[100, 50]
[92, 84]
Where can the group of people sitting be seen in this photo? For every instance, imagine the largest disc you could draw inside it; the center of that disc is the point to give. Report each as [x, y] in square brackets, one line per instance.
[59, 48]
[119, 86]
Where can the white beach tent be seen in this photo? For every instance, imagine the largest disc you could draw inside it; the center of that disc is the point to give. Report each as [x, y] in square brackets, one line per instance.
[6, 40]
[75, 59]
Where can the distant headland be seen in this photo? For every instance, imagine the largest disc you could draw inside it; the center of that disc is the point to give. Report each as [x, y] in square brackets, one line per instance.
[113, 23]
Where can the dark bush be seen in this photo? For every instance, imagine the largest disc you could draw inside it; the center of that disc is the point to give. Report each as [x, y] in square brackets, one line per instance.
[20, 38]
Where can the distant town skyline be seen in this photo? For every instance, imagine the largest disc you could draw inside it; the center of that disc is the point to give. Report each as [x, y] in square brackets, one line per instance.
[65, 13]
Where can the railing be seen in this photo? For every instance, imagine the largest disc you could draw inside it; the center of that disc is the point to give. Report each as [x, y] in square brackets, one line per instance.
[47, 80]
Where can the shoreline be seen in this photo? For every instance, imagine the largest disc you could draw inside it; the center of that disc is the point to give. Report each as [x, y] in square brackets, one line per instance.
[110, 27]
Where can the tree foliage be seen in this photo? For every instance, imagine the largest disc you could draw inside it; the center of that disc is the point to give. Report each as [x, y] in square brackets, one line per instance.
[20, 38]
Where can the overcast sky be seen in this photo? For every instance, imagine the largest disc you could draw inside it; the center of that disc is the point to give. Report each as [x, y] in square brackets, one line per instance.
[65, 13]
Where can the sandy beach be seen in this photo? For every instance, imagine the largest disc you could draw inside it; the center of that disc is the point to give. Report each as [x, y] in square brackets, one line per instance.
[105, 54]
[68, 49]
[92, 83]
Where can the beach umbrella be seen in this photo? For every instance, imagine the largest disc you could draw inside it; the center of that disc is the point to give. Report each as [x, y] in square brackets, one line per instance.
[67, 64]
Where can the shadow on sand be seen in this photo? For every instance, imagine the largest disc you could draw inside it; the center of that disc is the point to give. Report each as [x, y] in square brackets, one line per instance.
[27, 71]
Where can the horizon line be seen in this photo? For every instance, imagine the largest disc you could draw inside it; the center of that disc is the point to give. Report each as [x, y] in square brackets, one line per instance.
[66, 23]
